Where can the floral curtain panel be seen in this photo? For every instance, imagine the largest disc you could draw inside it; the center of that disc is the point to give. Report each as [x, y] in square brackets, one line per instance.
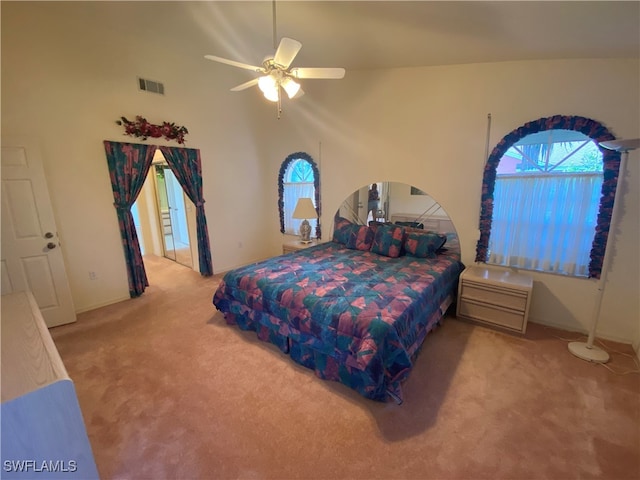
[187, 167]
[129, 164]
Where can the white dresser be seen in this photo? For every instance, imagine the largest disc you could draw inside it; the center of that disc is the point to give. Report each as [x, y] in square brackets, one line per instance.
[493, 296]
[43, 432]
[433, 223]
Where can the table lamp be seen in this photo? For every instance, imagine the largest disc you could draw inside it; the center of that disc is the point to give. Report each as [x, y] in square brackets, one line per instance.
[303, 211]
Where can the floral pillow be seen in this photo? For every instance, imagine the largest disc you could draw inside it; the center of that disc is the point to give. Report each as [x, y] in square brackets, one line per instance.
[374, 224]
[360, 237]
[341, 230]
[388, 241]
[442, 236]
[423, 245]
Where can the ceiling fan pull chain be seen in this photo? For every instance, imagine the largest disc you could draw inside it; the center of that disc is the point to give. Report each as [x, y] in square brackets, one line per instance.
[279, 104]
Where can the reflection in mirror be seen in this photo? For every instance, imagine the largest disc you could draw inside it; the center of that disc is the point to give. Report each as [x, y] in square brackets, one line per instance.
[397, 202]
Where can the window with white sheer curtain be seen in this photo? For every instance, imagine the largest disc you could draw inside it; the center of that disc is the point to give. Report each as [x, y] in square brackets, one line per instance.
[546, 200]
[298, 182]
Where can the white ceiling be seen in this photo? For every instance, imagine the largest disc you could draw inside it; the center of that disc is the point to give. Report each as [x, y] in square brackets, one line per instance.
[384, 34]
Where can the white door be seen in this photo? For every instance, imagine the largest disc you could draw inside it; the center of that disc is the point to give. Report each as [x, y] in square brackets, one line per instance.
[31, 255]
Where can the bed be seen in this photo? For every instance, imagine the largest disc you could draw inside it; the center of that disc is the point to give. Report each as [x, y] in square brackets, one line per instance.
[356, 309]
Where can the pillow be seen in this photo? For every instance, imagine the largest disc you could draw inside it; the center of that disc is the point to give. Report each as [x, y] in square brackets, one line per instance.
[443, 236]
[387, 240]
[374, 224]
[360, 237]
[423, 245]
[340, 230]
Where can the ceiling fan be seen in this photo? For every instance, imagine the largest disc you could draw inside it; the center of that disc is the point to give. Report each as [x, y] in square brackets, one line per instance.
[276, 71]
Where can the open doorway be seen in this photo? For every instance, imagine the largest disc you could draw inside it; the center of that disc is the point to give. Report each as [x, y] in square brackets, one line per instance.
[173, 216]
[165, 217]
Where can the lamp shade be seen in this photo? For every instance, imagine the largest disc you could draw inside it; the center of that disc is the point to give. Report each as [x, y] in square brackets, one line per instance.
[622, 145]
[269, 86]
[290, 86]
[267, 83]
[305, 209]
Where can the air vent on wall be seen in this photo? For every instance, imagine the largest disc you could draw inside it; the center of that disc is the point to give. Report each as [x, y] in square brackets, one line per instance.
[150, 86]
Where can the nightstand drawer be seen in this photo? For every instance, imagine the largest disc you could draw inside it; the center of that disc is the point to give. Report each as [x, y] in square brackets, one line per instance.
[491, 314]
[503, 297]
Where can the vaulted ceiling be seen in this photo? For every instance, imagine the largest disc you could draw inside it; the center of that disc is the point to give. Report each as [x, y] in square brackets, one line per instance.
[384, 34]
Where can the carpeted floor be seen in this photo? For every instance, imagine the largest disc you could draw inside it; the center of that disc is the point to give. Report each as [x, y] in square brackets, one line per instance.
[169, 391]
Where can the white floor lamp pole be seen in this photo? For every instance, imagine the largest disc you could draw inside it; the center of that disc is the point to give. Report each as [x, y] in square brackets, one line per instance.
[586, 350]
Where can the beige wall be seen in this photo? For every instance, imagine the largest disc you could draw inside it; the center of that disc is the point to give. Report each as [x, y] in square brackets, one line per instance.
[66, 80]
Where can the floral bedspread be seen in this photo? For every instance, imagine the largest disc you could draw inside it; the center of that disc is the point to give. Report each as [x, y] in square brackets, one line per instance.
[355, 317]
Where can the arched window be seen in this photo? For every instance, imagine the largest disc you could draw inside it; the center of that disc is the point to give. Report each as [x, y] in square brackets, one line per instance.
[299, 177]
[547, 197]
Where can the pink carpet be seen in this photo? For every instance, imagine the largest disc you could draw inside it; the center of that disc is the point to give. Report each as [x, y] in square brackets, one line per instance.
[169, 391]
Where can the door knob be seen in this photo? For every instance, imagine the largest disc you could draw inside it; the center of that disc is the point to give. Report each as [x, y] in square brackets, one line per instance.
[51, 245]
[48, 235]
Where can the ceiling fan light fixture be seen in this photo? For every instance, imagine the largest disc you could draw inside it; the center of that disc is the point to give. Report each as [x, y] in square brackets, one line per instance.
[290, 86]
[269, 86]
[272, 95]
[276, 70]
[267, 83]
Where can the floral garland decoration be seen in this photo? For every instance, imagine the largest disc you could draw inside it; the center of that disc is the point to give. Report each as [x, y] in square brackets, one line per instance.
[141, 128]
[611, 165]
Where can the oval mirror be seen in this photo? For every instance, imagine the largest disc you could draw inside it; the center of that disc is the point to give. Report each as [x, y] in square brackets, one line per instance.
[397, 203]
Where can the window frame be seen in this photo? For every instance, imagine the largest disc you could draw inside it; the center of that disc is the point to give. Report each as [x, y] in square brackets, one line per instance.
[610, 171]
[316, 187]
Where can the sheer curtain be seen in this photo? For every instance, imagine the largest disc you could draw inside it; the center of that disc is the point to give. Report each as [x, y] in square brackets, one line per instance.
[293, 191]
[545, 222]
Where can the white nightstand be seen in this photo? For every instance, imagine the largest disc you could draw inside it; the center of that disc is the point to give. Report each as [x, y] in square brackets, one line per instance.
[497, 297]
[295, 245]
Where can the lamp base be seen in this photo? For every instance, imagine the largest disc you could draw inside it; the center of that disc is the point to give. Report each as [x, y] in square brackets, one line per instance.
[589, 353]
[305, 232]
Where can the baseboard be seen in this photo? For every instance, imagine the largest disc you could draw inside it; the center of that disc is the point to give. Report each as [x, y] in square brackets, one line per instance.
[567, 328]
[102, 304]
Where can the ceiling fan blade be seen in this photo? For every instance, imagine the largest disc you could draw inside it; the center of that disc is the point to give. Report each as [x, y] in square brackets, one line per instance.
[233, 63]
[325, 73]
[245, 85]
[287, 51]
